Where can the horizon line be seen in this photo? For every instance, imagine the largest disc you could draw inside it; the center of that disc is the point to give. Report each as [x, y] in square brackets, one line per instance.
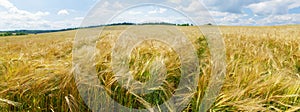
[147, 23]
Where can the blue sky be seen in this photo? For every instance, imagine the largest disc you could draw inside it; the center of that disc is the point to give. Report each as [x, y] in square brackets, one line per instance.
[58, 14]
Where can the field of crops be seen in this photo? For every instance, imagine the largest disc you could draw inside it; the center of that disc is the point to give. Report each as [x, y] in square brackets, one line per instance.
[262, 72]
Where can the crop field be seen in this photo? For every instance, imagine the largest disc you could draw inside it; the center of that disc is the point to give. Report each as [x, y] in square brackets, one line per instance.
[262, 71]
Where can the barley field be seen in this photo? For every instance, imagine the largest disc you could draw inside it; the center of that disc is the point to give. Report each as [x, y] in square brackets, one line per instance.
[262, 72]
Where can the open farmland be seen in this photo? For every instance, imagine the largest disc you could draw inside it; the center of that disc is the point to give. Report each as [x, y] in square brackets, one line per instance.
[263, 70]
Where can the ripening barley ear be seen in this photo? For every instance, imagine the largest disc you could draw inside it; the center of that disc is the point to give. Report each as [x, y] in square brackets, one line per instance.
[263, 71]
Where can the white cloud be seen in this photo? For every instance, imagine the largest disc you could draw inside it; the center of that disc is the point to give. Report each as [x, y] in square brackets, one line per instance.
[79, 18]
[280, 19]
[230, 12]
[13, 13]
[63, 12]
[6, 4]
[259, 7]
[159, 10]
[134, 12]
[193, 6]
[295, 4]
[267, 12]
[231, 6]
[175, 1]
[225, 18]
[103, 10]
[15, 18]
[272, 7]
[218, 14]
[146, 19]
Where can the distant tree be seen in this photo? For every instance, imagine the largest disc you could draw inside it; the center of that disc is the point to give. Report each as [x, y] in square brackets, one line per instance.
[20, 33]
[209, 24]
[187, 24]
[8, 34]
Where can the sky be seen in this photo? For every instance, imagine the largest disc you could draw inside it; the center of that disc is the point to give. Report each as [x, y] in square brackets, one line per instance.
[60, 14]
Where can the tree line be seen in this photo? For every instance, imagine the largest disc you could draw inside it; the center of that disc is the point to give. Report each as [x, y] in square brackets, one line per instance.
[12, 34]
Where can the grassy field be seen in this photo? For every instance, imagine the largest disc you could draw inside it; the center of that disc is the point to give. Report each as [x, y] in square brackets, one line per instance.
[263, 67]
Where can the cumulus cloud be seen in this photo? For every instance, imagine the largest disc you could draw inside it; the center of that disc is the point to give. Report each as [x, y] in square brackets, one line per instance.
[13, 13]
[273, 7]
[226, 18]
[147, 18]
[103, 10]
[231, 6]
[279, 19]
[295, 4]
[219, 14]
[79, 18]
[6, 4]
[259, 12]
[15, 18]
[175, 1]
[193, 6]
[159, 10]
[259, 7]
[230, 12]
[63, 12]
[134, 12]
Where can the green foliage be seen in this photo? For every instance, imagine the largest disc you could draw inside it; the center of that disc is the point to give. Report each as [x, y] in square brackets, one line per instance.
[6, 34]
[20, 33]
[12, 34]
[187, 24]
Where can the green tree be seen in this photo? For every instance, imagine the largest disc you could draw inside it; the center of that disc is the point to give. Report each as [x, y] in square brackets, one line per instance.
[8, 34]
[20, 33]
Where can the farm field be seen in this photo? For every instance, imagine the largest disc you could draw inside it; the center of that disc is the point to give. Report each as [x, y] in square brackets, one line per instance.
[262, 72]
